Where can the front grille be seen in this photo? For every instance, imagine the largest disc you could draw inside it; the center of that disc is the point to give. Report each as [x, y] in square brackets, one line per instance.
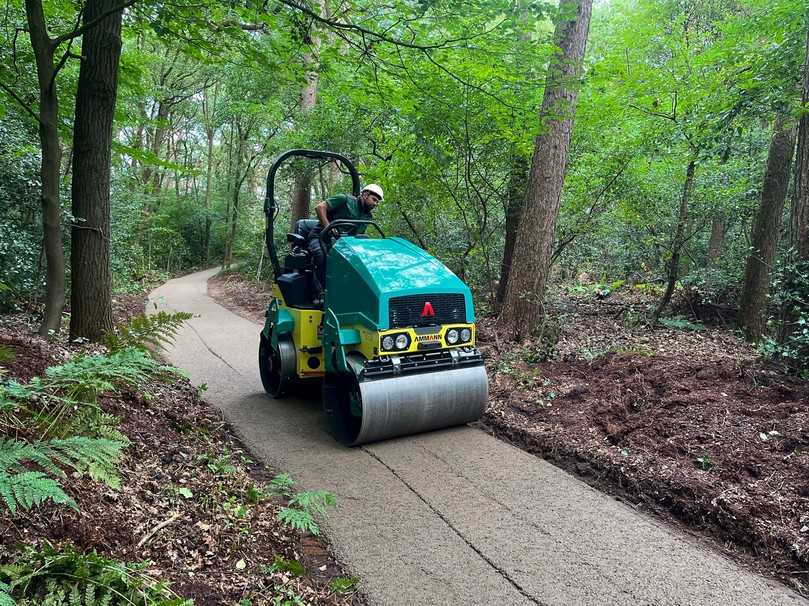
[406, 311]
[389, 366]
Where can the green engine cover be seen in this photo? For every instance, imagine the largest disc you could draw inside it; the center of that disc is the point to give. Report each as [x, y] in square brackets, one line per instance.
[363, 274]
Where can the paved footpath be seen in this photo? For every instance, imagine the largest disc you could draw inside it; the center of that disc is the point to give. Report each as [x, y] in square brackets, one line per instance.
[455, 516]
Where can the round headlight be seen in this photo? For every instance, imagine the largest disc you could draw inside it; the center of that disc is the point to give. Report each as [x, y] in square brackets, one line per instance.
[387, 342]
[402, 341]
[452, 336]
[466, 335]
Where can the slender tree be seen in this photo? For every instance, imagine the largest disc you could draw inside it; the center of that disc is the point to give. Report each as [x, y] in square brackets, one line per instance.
[523, 303]
[302, 190]
[799, 220]
[91, 292]
[766, 230]
[48, 118]
[678, 241]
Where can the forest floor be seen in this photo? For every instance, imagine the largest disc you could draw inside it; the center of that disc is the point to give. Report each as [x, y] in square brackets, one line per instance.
[685, 422]
[192, 503]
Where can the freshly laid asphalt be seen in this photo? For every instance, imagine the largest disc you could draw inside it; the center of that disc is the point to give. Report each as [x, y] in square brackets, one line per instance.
[454, 516]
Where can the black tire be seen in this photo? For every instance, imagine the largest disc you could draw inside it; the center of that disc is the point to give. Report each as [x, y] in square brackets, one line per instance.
[342, 403]
[275, 377]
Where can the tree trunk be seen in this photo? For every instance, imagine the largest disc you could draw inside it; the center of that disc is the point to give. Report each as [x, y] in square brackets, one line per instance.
[91, 291]
[678, 242]
[302, 191]
[799, 219]
[233, 210]
[799, 215]
[208, 106]
[765, 233]
[49, 169]
[523, 303]
[515, 198]
[716, 240]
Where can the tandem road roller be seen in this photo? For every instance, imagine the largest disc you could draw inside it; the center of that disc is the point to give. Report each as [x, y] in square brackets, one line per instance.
[392, 339]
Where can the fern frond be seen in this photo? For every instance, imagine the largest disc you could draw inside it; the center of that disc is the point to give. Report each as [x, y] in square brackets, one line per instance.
[23, 487]
[96, 456]
[13, 453]
[31, 488]
[147, 332]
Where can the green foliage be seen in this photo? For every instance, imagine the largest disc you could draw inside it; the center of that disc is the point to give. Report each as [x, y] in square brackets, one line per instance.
[703, 462]
[22, 486]
[790, 342]
[343, 585]
[47, 577]
[6, 354]
[294, 567]
[303, 507]
[147, 332]
[681, 323]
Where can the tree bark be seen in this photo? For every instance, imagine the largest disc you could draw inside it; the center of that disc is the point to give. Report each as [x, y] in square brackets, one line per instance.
[49, 168]
[515, 198]
[716, 240]
[799, 217]
[523, 303]
[233, 207]
[91, 291]
[207, 110]
[302, 191]
[765, 232]
[678, 241]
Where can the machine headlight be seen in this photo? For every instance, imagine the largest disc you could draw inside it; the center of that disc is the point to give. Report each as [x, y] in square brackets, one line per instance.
[452, 336]
[387, 342]
[402, 341]
[466, 335]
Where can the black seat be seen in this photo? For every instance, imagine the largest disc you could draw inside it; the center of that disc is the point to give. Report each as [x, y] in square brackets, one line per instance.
[296, 240]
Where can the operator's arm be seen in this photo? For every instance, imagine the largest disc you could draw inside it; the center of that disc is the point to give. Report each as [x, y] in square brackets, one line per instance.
[321, 211]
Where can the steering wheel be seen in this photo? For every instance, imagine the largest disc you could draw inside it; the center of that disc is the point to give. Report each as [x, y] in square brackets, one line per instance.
[345, 227]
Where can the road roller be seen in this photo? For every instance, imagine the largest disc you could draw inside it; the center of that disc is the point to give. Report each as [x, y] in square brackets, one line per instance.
[390, 337]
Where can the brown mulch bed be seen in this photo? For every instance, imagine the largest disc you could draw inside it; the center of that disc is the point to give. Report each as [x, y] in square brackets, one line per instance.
[192, 502]
[686, 424]
[245, 298]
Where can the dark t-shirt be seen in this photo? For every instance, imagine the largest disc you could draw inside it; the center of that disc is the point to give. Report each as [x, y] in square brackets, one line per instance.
[344, 206]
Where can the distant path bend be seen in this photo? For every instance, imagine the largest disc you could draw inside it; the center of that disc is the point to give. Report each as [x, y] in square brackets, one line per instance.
[456, 516]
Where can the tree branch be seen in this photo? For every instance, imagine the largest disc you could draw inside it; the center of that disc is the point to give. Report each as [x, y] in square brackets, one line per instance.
[14, 96]
[379, 36]
[55, 42]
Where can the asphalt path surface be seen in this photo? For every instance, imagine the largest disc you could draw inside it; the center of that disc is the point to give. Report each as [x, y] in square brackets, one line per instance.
[454, 516]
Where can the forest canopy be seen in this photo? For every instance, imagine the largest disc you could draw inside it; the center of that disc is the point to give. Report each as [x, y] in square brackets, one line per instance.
[680, 111]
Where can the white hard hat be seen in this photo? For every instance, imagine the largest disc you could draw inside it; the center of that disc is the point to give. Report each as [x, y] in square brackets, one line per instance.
[374, 189]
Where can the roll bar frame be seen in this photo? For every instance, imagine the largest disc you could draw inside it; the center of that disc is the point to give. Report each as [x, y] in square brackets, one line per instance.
[271, 205]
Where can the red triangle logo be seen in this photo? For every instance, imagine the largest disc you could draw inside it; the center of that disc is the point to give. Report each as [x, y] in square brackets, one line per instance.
[428, 310]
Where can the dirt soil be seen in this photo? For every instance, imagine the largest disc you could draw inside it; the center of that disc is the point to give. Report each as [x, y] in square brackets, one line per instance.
[192, 501]
[689, 425]
[245, 298]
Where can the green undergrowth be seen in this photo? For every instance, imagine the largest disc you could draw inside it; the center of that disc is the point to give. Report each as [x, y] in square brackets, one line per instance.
[53, 426]
[66, 577]
[54, 429]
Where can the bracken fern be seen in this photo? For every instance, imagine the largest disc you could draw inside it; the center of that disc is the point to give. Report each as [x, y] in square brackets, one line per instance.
[147, 332]
[30, 471]
[46, 577]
